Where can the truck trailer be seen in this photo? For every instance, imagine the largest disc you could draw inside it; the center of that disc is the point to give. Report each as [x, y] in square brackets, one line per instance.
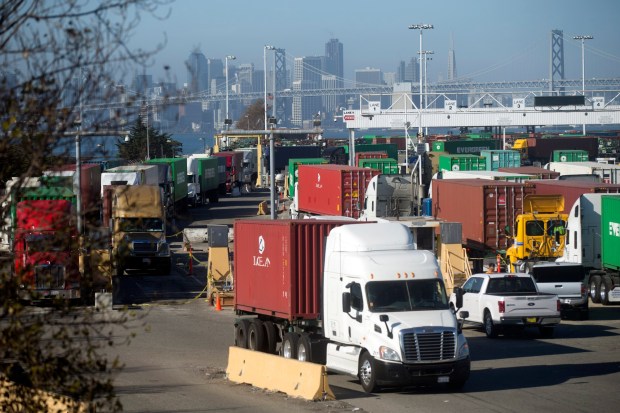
[594, 241]
[353, 296]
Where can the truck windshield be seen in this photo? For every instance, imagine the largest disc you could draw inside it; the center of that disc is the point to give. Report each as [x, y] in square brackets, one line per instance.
[409, 295]
[511, 285]
[141, 225]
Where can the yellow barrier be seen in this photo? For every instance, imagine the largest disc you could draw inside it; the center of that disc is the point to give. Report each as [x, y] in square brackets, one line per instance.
[21, 399]
[293, 377]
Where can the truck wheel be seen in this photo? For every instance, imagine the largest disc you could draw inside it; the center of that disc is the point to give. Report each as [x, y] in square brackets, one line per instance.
[167, 267]
[489, 328]
[271, 335]
[241, 333]
[289, 345]
[256, 336]
[605, 290]
[304, 348]
[595, 288]
[367, 373]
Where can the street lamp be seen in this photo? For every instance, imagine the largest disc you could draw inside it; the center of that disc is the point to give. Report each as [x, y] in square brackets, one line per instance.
[583, 38]
[148, 150]
[227, 120]
[420, 27]
[425, 53]
[265, 70]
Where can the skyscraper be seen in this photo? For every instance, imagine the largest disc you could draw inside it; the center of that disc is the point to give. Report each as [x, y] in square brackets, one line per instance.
[197, 72]
[334, 65]
[451, 61]
[306, 76]
[368, 76]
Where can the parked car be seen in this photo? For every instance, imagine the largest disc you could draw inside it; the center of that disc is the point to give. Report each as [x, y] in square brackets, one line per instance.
[568, 281]
[501, 300]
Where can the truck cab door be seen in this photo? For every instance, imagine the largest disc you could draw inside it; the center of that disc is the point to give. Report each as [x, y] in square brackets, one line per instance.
[353, 320]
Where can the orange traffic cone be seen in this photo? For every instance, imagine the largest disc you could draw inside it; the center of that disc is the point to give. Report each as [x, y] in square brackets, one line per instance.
[218, 304]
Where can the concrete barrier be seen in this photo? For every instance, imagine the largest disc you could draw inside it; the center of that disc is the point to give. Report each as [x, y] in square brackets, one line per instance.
[19, 398]
[267, 371]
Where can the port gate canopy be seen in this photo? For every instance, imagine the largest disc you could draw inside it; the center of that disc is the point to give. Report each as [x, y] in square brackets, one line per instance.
[403, 113]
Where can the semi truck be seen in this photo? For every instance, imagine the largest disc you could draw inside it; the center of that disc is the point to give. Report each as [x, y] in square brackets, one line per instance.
[130, 175]
[45, 245]
[594, 241]
[539, 150]
[234, 169]
[138, 228]
[176, 186]
[206, 179]
[354, 296]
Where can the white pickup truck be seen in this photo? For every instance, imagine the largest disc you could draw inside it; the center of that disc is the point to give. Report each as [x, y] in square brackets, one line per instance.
[508, 299]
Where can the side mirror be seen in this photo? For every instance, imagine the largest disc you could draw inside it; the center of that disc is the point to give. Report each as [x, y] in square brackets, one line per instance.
[346, 302]
[464, 314]
[458, 291]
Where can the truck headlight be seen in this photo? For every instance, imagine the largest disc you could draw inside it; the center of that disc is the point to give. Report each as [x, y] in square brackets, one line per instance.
[463, 347]
[387, 353]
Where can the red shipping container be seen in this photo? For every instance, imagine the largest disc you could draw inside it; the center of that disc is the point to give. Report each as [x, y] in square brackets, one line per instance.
[571, 189]
[538, 172]
[369, 155]
[484, 208]
[333, 189]
[279, 266]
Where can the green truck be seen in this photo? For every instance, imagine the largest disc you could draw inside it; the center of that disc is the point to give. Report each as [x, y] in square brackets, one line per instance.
[178, 172]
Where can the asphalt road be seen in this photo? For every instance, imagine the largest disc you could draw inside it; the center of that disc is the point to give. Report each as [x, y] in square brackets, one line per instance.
[177, 359]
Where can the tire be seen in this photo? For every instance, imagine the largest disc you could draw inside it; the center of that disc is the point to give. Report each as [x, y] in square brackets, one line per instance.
[241, 333]
[546, 332]
[289, 345]
[304, 348]
[490, 329]
[460, 376]
[605, 290]
[271, 335]
[256, 336]
[367, 373]
[595, 289]
[167, 267]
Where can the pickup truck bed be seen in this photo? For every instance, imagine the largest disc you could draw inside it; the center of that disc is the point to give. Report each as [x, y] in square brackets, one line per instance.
[496, 301]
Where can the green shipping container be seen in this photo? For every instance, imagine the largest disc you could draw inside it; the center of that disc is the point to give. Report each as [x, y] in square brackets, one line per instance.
[573, 155]
[178, 170]
[462, 163]
[465, 146]
[387, 166]
[390, 148]
[496, 159]
[610, 232]
[293, 163]
[209, 176]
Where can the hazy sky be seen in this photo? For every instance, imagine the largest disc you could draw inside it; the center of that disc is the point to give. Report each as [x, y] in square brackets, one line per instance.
[493, 39]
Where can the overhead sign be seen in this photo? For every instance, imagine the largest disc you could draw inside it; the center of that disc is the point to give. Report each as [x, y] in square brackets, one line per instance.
[374, 107]
[518, 103]
[598, 102]
[450, 105]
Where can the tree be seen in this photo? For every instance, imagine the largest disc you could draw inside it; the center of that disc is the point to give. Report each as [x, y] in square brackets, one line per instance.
[161, 145]
[254, 117]
[58, 55]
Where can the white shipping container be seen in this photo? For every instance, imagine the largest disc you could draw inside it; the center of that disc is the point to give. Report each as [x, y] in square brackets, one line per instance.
[609, 174]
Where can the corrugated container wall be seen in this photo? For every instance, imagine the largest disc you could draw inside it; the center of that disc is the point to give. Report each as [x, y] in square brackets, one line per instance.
[387, 166]
[293, 164]
[391, 149]
[610, 232]
[496, 159]
[485, 208]
[178, 171]
[574, 155]
[462, 163]
[209, 176]
[333, 189]
[571, 190]
[542, 148]
[369, 155]
[279, 266]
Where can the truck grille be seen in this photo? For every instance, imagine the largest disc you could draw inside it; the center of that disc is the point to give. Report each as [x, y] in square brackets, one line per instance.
[424, 345]
[145, 247]
[49, 276]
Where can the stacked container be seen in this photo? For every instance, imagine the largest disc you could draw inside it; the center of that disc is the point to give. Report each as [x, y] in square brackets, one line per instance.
[496, 159]
[293, 164]
[333, 189]
[462, 163]
[386, 166]
[572, 155]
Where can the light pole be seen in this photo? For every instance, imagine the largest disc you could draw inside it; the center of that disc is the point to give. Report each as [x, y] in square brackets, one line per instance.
[265, 70]
[227, 121]
[420, 27]
[148, 150]
[426, 58]
[583, 38]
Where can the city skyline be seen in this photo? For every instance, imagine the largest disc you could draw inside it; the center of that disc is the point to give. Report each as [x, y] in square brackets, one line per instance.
[488, 45]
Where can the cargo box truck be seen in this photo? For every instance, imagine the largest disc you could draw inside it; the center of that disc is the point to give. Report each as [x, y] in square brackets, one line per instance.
[593, 241]
[354, 296]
